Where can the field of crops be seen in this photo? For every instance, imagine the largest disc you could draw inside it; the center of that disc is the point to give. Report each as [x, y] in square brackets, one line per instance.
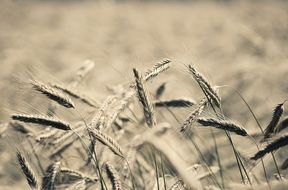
[134, 95]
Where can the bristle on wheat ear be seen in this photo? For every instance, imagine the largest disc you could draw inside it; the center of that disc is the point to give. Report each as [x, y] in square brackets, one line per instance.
[27, 170]
[42, 120]
[52, 94]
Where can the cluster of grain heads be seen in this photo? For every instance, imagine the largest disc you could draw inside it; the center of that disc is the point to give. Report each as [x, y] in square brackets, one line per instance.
[223, 124]
[144, 100]
[275, 145]
[27, 170]
[133, 145]
[52, 94]
[42, 120]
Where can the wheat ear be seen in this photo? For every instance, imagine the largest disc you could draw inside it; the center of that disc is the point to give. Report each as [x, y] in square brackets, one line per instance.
[48, 181]
[113, 176]
[158, 68]
[160, 90]
[75, 95]
[282, 125]
[142, 96]
[42, 120]
[52, 94]
[277, 113]
[284, 165]
[194, 115]
[77, 174]
[205, 85]
[87, 66]
[175, 103]
[107, 141]
[223, 124]
[27, 170]
[276, 144]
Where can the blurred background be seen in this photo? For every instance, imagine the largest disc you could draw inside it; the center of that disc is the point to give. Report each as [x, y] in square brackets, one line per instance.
[238, 43]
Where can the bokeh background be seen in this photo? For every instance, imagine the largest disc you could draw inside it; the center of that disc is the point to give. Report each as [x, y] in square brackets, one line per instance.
[243, 44]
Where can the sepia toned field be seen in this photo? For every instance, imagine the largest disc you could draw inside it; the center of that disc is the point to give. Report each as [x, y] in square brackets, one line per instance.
[143, 95]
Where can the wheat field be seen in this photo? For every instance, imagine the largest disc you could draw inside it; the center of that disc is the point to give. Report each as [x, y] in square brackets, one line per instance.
[143, 95]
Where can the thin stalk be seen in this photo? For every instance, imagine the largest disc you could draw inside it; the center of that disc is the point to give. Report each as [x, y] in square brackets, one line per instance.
[132, 176]
[258, 124]
[103, 184]
[37, 157]
[218, 158]
[228, 136]
[163, 173]
[156, 170]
